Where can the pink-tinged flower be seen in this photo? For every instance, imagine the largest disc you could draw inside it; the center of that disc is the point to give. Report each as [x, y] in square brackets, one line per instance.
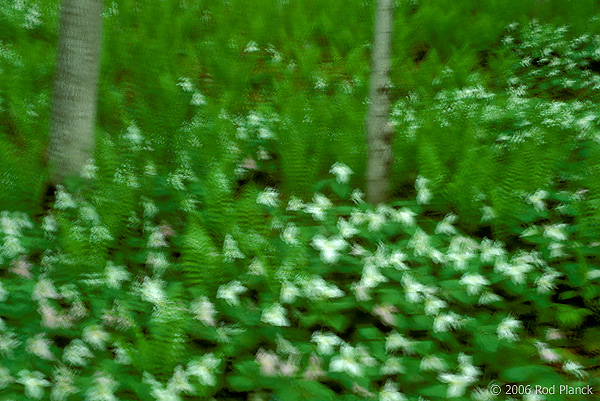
[268, 361]
[249, 164]
[314, 370]
[386, 313]
[21, 267]
[166, 230]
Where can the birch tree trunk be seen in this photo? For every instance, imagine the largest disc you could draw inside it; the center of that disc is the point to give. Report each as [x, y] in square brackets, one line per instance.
[379, 129]
[75, 88]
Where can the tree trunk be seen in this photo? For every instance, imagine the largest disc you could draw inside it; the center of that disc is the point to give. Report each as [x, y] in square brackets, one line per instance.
[75, 88]
[379, 129]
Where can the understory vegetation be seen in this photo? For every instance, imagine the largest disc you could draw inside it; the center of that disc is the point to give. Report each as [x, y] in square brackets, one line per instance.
[218, 246]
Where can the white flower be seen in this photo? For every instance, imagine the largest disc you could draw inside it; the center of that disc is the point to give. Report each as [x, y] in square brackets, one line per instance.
[507, 327]
[412, 288]
[44, 289]
[34, 383]
[420, 242]
[342, 173]
[397, 259]
[231, 250]
[423, 193]
[433, 305]
[537, 199]
[40, 346]
[392, 366]
[474, 283]
[545, 282]
[290, 234]
[12, 247]
[329, 247]
[275, 315]
[204, 310]
[432, 362]
[443, 322]
[198, 99]
[8, 342]
[186, 84]
[396, 341]
[516, 272]
[357, 196]
[390, 392]
[347, 230]
[231, 291]
[114, 275]
[251, 47]
[179, 382]
[404, 216]
[295, 204]
[457, 383]
[488, 214]
[361, 291]
[49, 224]
[325, 342]
[593, 274]
[152, 291]
[268, 197]
[488, 298]
[103, 388]
[95, 336]
[157, 239]
[376, 220]
[346, 362]
[491, 250]
[289, 292]
[203, 369]
[268, 361]
[445, 226]
[574, 368]
[158, 261]
[76, 353]
[318, 288]
[63, 199]
[556, 232]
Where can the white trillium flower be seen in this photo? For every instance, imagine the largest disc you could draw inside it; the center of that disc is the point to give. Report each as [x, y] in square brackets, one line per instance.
[318, 288]
[357, 196]
[445, 226]
[34, 383]
[251, 47]
[152, 291]
[95, 336]
[76, 353]
[231, 250]
[230, 292]
[506, 328]
[474, 283]
[275, 315]
[537, 199]
[457, 383]
[268, 197]
[390, 392]
[179, 382]
[432, 362]
[404, 216]
[203, 369]
[396, 341]
[575, 369]
[347, 230]
[329, 247]
[346, 362]
[342, 172]
[325, 342]
[392, 366]
[556, 232]
[289, 292]
[40, 346]
[204, 310]
[114, 275]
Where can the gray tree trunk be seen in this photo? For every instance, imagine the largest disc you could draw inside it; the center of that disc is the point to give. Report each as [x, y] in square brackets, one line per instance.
[379, 129]
[75, 88]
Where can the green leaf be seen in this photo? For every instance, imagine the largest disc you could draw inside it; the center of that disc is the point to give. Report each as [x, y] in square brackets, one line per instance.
[522, 374]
